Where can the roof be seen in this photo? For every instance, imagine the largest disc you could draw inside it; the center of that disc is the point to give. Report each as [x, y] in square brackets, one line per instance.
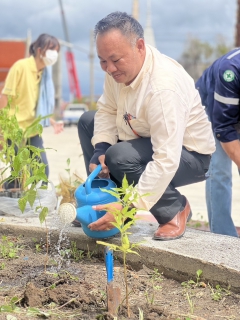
[11, 51]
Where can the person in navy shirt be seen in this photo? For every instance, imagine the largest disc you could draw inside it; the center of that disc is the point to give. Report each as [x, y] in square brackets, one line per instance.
[219, 88]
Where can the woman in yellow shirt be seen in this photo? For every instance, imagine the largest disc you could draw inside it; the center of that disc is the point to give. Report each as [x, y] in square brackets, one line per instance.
[30, 86]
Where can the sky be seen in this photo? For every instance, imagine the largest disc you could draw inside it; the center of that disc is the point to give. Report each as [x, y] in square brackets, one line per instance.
[173, 21]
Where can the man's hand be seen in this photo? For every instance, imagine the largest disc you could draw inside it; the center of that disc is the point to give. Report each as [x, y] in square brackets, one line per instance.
[104, 174]
[104, 223]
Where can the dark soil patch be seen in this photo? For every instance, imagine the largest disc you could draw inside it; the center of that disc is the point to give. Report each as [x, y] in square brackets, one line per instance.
[77, 290]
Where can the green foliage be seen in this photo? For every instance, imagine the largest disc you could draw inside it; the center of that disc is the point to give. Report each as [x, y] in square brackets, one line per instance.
[126, 195]
[199, 55]
[150, 292]
[22, 158]
[76, 254]
[218, 292]
[8, 249]
[11, 307]
[192, 283]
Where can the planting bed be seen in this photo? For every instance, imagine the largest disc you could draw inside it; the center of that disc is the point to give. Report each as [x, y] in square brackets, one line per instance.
[74, 287]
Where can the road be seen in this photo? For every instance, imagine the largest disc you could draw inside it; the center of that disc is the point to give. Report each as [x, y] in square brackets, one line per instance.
[66, 146]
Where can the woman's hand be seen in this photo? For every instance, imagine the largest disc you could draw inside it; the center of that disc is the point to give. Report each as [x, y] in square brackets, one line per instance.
[105, 223]
[57, 126]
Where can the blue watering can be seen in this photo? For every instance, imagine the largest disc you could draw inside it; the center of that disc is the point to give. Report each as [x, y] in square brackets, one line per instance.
[87, 195]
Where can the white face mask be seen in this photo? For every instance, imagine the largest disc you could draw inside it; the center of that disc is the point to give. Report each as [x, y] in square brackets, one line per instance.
[50, 57]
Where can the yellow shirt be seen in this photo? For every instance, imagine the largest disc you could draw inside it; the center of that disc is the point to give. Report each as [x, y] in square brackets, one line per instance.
[166, 107]
[22, 84]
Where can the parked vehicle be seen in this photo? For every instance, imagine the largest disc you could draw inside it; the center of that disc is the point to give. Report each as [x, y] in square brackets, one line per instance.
[73, 112]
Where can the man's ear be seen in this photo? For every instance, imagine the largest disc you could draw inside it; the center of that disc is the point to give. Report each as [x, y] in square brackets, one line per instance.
[140, 45]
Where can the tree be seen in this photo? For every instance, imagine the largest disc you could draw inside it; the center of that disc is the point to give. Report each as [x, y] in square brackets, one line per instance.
[199, 55]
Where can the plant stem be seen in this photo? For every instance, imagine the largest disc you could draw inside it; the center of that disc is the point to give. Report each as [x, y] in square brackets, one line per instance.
[126, 283]
[47, 248]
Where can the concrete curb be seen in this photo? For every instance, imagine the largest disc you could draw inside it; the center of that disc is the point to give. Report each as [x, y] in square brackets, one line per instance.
[216, 255]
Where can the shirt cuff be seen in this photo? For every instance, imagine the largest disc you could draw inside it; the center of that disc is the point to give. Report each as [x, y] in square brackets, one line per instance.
[100, 149]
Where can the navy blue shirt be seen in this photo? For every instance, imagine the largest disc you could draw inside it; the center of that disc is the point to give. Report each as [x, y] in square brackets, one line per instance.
[219, 88]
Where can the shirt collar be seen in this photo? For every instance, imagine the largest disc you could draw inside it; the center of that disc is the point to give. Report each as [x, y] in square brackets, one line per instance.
[144, 69]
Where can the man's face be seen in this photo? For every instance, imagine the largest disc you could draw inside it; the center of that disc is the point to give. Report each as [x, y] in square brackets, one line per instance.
[118, 57]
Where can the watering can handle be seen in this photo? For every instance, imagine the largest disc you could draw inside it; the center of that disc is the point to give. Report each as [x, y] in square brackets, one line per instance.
[88, 183]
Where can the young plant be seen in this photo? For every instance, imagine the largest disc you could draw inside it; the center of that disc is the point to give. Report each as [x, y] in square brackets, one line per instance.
[8, 249]
[126, 195]
[192, 283]
[218, 292]
[155, 278]
[21, 158]
[75, 252]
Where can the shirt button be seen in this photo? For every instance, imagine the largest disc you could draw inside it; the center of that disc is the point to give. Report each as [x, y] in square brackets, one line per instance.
[218, 135]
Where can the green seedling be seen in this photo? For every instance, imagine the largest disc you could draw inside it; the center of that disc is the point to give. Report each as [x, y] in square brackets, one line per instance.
[75, 253]
[65, 253]
[192, 283]
[11, 307]
[218, 292]
[126, 195]
[38, 247]
[8, 248]
[22, 159]
[2, 266]
[188, 285]
[90, 254]
[199, 273]
[190, 302]
[150, 293]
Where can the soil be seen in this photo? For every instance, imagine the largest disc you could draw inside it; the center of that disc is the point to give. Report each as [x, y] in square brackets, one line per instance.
[73, 286]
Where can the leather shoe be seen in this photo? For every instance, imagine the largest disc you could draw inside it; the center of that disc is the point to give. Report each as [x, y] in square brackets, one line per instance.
[175, 228]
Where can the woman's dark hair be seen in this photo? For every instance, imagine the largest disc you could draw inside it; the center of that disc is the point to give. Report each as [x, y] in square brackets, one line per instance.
[126, 24]
[44, 41]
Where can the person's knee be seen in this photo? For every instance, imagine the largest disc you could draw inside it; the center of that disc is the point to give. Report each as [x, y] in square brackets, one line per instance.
[116, 156]
[83, 120]
[86, 123]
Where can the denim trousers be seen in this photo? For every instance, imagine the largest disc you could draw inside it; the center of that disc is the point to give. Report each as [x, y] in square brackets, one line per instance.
[219, 193]
[131, 157]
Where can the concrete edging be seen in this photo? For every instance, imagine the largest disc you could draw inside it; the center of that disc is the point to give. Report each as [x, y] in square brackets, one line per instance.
[216, 255]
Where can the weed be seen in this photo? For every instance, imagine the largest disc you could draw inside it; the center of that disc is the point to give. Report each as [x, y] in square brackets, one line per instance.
[199, 273]
[218, 293]
[65, 253]
[89, 253]
[76, 254]
[192, 283]
[190, 302]
[8, 249]
[2, 266]
[38, 247]
[150, 293]
[11, 307]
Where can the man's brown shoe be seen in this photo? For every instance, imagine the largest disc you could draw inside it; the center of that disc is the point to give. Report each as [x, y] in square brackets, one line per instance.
[175, 228]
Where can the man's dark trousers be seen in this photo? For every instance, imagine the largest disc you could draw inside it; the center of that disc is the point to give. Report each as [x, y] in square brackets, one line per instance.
[131, 157]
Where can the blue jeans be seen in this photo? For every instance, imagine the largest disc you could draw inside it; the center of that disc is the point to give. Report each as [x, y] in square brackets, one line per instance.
[219, 193]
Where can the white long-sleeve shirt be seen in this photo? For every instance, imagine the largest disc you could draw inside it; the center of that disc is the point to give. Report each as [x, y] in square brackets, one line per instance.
[165, 107]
